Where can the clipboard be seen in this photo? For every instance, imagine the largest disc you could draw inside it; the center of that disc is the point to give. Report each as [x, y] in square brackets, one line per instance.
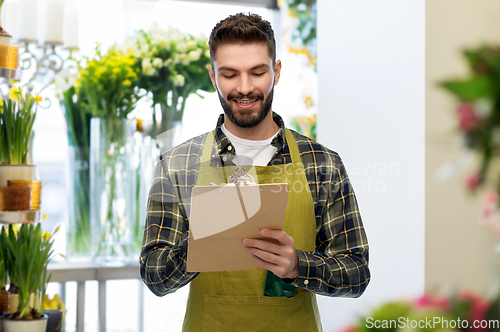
[222, 216]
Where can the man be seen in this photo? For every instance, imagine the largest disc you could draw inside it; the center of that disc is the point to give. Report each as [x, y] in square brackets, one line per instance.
[323, 247]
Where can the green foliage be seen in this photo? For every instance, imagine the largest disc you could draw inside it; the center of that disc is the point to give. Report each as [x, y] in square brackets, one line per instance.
[469, 90]
[305, 12]
[27, 252]
[78, 124]
[478, 111]
[17, 116]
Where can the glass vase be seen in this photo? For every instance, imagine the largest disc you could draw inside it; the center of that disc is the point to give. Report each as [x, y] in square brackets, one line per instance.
[113, 186]
[78, 189]
[150, 152]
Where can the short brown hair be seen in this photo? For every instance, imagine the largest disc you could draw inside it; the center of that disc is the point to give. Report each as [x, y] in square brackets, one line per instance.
[244, 29]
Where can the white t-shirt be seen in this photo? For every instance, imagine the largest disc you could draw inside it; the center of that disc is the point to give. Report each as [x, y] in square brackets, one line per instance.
[249, 152]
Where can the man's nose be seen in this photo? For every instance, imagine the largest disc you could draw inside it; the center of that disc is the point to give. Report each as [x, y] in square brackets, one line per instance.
[245, 85]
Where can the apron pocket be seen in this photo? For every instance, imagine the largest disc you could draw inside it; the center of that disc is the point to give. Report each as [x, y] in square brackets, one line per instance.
[259, 313]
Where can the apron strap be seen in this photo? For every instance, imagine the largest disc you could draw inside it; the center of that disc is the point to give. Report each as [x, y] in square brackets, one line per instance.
[292, 146]
[206, 155]
[275, 286]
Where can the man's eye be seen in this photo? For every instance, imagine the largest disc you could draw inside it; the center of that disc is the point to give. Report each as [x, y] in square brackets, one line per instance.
[228, 76]
[259, 74]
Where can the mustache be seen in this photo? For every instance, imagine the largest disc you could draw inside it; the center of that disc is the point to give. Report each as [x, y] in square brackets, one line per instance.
[252, 95]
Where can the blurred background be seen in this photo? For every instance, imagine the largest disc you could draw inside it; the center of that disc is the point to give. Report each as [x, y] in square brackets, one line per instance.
[413, 117]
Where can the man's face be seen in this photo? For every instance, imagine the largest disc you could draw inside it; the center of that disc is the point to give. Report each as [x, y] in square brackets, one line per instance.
[244, 77]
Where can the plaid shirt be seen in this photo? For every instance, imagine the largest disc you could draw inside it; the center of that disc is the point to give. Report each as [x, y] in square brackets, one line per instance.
[338, 266]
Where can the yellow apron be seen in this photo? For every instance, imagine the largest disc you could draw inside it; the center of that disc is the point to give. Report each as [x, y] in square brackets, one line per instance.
[235, 300]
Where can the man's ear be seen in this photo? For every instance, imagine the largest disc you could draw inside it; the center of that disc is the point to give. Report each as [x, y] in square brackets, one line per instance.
[212, 76]
[277, 71]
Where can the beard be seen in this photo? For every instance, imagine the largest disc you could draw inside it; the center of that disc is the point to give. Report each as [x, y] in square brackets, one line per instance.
[247, 118]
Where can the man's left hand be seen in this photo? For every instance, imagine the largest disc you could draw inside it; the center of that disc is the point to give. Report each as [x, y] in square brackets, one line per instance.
[281, 258]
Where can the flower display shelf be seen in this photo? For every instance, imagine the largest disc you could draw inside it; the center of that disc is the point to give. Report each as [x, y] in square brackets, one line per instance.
[11, 73]
[19, 217]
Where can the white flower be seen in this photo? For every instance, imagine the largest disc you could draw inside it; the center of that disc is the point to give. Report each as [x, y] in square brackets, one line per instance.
[148, 71]
[147, 67]
[178, 80]
[146, 62]
[194, 55]
[157, 63]
[181, 47]
[144, 49]
[177, 58]
[137, 53]
[191, 44]
[184, 59]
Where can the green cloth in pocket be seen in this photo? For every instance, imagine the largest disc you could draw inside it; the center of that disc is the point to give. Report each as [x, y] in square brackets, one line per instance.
[276, 287]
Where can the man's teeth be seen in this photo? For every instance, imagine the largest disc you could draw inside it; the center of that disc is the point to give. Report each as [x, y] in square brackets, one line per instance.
[245, 102]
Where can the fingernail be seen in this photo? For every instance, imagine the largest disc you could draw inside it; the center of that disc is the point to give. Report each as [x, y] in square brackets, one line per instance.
[263, 231]
[245, 242]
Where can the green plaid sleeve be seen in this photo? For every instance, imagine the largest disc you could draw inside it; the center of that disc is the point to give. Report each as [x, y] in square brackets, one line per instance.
[339, 265]
[164, 250]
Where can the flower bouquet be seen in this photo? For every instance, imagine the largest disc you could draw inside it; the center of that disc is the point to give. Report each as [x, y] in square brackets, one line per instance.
[478, 115]
[171, 66]
[108, 82]
[464, 311]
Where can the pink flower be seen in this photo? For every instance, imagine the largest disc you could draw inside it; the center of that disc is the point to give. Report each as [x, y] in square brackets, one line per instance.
[467, 117]
[478, 307]
[350, 328]
[473, 181]
[492, 197]
[427, 301]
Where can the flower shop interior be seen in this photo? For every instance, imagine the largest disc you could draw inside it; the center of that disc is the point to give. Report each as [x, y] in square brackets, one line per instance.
[404, 91]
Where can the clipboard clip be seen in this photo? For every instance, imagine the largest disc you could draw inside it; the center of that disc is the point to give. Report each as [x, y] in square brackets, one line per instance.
[240, 177]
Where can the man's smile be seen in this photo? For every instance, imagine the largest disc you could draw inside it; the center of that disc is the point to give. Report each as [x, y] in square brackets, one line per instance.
[245, 103]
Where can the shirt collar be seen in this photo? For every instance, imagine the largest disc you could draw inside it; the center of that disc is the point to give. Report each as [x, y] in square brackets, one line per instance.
[223, 142]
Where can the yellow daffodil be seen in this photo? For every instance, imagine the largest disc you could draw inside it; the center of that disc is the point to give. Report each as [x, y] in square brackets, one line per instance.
[15, 93]
[309, 102]
[37, 99]
[15, 229]
[46, 235]
[44, 216]
[52, 304]
[139, 125]
[127, 83]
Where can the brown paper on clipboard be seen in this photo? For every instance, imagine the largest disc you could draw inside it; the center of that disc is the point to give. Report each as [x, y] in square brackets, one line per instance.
[222, 216]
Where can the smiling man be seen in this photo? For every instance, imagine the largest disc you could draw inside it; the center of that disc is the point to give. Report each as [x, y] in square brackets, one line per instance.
[322, 248]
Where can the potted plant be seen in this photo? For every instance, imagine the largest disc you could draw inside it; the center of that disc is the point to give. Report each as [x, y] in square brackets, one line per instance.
[28, 252]
[4, 296]
[17, 115]
[54, 309]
